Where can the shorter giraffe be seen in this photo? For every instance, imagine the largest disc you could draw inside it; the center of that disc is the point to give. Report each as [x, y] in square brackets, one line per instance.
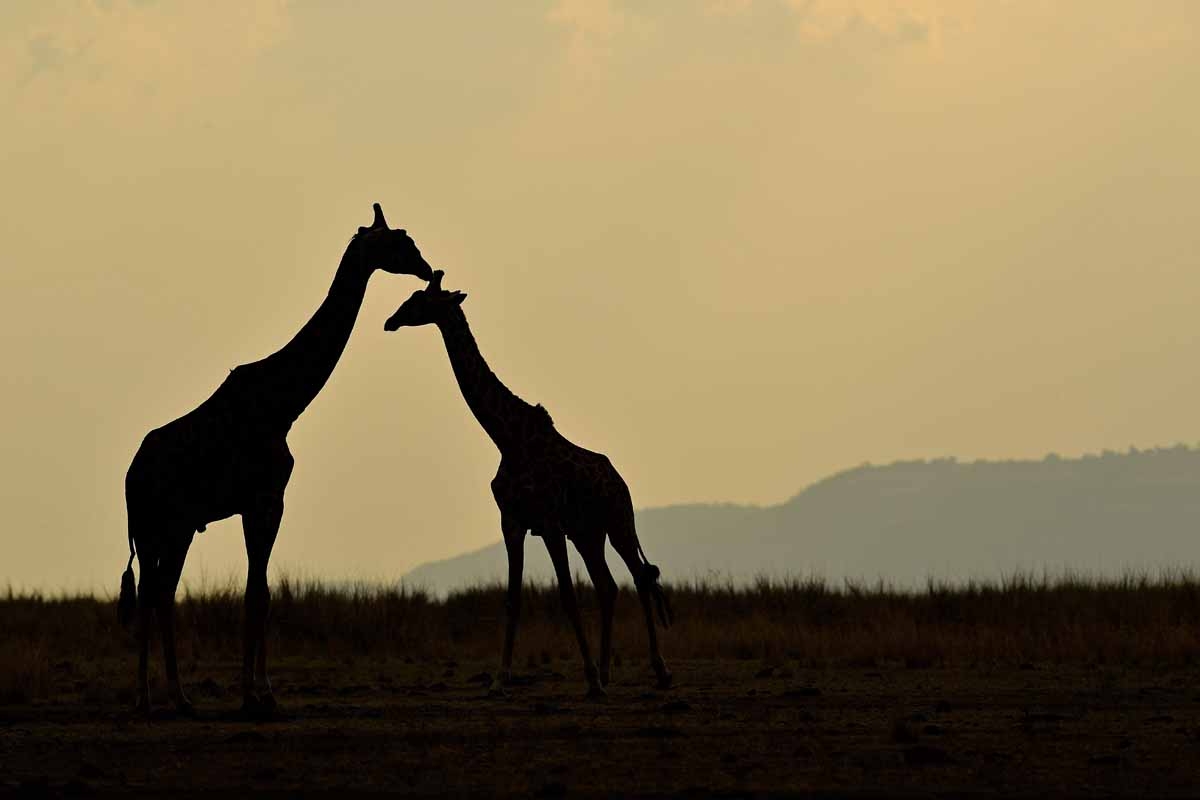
[548, 486]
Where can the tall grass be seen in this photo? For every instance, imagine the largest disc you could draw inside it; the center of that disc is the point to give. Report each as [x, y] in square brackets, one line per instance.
[1136, 619]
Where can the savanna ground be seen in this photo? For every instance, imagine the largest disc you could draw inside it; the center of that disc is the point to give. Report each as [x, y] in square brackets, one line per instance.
[1023, 688]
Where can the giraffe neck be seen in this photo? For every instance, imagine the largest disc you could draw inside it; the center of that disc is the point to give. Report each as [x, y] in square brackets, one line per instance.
[288, 380]
[498, 410]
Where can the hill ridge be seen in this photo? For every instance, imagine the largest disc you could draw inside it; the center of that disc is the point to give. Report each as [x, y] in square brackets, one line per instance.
[911, 520]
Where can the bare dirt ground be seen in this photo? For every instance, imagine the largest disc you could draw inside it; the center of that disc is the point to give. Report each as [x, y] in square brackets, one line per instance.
[729, 727]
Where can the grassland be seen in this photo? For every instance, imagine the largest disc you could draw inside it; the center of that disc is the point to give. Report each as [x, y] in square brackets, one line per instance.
[1023, 686]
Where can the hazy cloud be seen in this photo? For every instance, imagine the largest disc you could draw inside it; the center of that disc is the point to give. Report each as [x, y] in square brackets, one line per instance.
[594, 28]
[125, 57]
[735, 244]
[900, 22]
[897, 21]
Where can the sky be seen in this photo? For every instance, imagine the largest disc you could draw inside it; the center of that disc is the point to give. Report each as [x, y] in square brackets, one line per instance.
[736, 245]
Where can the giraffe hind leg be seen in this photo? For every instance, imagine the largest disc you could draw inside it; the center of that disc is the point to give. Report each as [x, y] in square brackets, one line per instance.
[645, 577]
[556, 543]
[135, 607]
[169, 570]
[591, 547]
[145, 611]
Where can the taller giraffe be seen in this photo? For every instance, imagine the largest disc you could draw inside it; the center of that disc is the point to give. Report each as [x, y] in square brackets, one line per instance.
[548, 486]
[230, 456]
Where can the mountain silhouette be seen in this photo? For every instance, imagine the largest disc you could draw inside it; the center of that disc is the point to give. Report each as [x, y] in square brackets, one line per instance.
[912, 521]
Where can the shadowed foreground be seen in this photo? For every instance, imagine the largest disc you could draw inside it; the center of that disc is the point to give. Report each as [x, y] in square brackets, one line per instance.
[1027, 688]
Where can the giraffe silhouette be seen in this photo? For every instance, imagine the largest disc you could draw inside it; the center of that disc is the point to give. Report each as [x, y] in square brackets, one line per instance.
[548, 486]
[230, 456]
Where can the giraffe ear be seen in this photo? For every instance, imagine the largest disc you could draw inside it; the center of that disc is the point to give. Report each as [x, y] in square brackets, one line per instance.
[458, 297]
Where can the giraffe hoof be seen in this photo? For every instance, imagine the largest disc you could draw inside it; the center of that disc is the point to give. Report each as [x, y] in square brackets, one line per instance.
[665, 681]
[497, 690]
[186, 710]
[597, 693]
[143, 707]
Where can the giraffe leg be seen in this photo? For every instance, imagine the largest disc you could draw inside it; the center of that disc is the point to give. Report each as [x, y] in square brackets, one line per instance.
[145, 606]
[556, 543]
[170, 568]
[592, 551]
[260, 525]
[262, 683]
[625, 543]
[514, 543]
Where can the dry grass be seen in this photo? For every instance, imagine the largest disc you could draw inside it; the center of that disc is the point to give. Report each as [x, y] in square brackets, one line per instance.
[1135, 620]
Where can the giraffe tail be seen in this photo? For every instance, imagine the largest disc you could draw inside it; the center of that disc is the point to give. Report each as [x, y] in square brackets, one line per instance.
[649, 578]
[127, 602]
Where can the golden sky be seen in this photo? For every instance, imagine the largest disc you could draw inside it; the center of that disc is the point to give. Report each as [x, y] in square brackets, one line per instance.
[734, 245]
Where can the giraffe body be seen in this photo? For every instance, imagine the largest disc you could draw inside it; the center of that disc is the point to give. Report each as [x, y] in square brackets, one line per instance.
[546, 486]
[558, 486]
[230, 456]
[240, 454]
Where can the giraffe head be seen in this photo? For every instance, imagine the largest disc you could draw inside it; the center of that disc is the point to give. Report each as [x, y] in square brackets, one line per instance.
[426, 306]
[390, 250]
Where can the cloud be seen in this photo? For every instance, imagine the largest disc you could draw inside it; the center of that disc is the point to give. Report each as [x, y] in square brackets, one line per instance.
[902, 20]
[135, 57]
[727, 8]
[936, 24]
[594, 26]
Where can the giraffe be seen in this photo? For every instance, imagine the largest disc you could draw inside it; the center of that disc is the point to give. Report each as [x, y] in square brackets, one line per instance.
[230, 456]
[548, 486]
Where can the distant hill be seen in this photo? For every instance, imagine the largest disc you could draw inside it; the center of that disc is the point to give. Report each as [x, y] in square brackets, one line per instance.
[910, 521]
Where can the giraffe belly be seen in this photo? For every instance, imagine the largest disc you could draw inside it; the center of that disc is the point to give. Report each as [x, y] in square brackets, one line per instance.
[541, 498]
[550, 513]
[198, 479]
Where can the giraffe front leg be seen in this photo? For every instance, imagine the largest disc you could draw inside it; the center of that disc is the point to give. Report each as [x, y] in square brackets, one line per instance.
[260, 527]
[250, 702]
[514, 543]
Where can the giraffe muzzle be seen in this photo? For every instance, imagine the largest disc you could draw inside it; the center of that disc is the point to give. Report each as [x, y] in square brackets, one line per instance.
[422, 269]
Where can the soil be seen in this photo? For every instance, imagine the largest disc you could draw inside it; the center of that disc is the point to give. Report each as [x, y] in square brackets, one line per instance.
[737, 728]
